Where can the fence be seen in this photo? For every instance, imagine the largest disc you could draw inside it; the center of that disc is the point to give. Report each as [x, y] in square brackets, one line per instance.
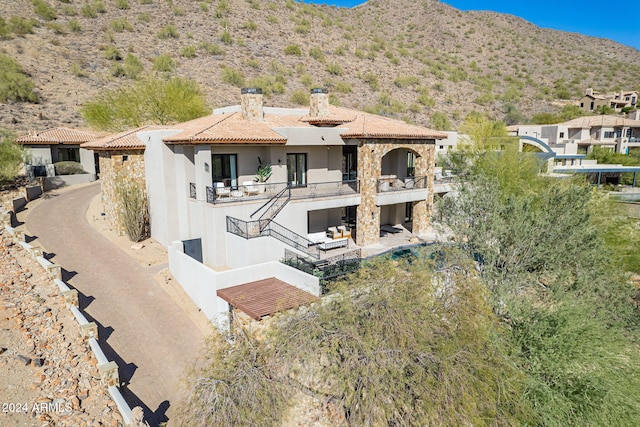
[327, 268]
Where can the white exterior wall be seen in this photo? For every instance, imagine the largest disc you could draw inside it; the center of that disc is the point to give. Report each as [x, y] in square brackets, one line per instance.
[40, 154]
[88, 161]
[201, 282]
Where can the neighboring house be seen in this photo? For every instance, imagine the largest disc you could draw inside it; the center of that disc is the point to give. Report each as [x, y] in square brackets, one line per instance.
[615, 100]
[582, 134]
[58, 145]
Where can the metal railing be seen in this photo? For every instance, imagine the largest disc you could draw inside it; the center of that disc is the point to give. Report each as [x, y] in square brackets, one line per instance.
[275, 203]
[393, 183]
[326, 268]
[260, 228]
[192, 190]
[260, 191]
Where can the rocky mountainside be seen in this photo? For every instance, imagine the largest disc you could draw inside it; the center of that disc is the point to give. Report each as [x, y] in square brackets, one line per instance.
[402, 58]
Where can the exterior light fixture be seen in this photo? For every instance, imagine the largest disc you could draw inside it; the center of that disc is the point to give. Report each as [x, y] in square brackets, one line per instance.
[206, 167]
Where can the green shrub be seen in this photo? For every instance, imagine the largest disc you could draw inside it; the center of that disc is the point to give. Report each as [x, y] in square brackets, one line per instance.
[117, 70]
[269, 84]
[20, 26]
[5, 31]
[204, 7]
[121, 24]
[132, 66]
[11, 157]
[372, 80]
[343, 87]
[14, 84]
[77, 70]
[133, 213]
[164, 63]
[405, 81]
[168, 32]
[211, 48]
[123, 4]
[146, 1]
[68, 168]
[89, 11]
[250, 25]
[317, 54]
[74, 25]
[226, 38]
[299, 97]
[233, 77]
[222, 8]
[112, 52]
[188, 52]
[334, 68]
[43, 9]
[56, 27]
[293, 49]
[69, 10]
[439, 121]
[144, 17]
[272, 19]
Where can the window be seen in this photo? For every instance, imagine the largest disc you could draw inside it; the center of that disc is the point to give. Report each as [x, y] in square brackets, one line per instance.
[125, 158]
[442, 147]
[591, 108]
[618, 133]
[608, 134]
[225, 169]
[411, 163]
[628, 134]
[68, 154]
[582, 105]
[561, 134]
[349, 162]
[297, 169]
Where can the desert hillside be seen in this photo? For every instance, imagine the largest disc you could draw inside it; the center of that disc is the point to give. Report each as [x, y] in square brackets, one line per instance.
[402, 58]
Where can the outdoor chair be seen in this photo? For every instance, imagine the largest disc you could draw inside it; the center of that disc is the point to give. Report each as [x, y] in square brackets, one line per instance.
[334, 233]
[221, 190]
[345, 232]
[250, 189]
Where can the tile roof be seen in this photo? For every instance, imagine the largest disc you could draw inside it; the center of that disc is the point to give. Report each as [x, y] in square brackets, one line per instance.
[232, 128]
[56, 136]
[265, 297]
[601, 121]
[126, 140]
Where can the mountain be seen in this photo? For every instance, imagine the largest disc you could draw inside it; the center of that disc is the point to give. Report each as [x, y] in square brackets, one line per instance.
[403, 58]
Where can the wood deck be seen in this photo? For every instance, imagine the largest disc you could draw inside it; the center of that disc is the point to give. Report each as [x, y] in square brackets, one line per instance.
[265, 297]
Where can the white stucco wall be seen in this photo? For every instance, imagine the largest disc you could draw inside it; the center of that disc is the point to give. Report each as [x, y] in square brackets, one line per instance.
[40, 154]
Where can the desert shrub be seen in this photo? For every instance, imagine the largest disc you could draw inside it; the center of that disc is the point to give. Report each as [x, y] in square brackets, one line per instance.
[112, 52]
[20, 26]
[77, 70]
[300, 97]
[43, 9]
[5, 31]
[120, 24]
[150, 100]
[204, 7]
[56, 27]
[117, 70]
[15, 85]
[123, 4]
[189, 52]
[269, 84]
[250, 25]
[211, 48]
[233, 77]
[303, 27]
[132, 66]
[11, 157]
[74, 25]
[372, 80]
[68, 168]
[439, 121]
[404, 81]
[343, 87]
[88, 10]
[226, 38]
[164, 63]
[222, 8]
[334, 68]
[144, 17]
[293, 49]
[317, 54]
[168, 32]
[133, 213]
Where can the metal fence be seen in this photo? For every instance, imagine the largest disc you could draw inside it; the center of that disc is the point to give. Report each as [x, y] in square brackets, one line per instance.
[258, 191]
[326, 268]
[393, 183]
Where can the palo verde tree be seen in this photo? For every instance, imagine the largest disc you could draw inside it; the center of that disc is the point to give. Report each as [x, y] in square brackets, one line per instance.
[11, 157]
[148, 101]
[555, 282]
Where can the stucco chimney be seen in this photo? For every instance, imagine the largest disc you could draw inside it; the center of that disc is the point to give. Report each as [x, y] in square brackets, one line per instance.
[251, 104]
[319, 102]
[590, 91]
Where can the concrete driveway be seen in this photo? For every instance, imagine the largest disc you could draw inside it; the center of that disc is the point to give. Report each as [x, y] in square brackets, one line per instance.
[150, 337]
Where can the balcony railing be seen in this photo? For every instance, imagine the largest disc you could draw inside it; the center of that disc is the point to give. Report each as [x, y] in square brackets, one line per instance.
[192, 190]
[257, 191]
[393, 183]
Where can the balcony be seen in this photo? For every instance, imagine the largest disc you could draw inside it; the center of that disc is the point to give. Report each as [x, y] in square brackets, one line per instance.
[393, 183]
[255, 191]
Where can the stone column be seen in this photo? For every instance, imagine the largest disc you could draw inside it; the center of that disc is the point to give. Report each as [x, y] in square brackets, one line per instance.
[368, 213]
[422, 209]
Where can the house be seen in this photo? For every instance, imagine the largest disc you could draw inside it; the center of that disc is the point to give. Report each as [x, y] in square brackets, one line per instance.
[582, 134]
[615, 100]
[338, 177]
[50, 146]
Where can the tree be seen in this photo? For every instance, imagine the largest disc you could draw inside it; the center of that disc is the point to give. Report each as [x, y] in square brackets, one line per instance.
[11, 157]
[15, 85]
[148, 101]
[439, 121]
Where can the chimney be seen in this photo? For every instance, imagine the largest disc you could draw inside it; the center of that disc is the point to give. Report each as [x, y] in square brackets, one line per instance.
[590, 91]
[251, 104]
[319, 103]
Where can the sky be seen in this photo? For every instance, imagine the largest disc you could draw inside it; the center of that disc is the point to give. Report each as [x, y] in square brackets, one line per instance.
[616, 20]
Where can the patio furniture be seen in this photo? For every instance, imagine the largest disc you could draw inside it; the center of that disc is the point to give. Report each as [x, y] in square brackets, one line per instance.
[250, 189]
[333, 244]
[316, 238]
[221, 190]
[333, 233]
[236, 194]
[409, 183]
[344, 231]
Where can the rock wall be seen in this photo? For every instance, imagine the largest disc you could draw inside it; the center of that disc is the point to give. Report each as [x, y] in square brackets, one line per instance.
[370, 154]
[114, 164]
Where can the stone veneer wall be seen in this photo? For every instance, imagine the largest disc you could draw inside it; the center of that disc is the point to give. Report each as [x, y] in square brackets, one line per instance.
[251, 107]
[113, 163]
[370, 154]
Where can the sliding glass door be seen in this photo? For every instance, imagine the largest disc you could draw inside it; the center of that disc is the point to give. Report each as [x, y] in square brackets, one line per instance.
[297, 169]
[225, 169]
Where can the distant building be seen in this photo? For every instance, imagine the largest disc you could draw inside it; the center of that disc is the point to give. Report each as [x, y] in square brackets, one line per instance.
[615, 100]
